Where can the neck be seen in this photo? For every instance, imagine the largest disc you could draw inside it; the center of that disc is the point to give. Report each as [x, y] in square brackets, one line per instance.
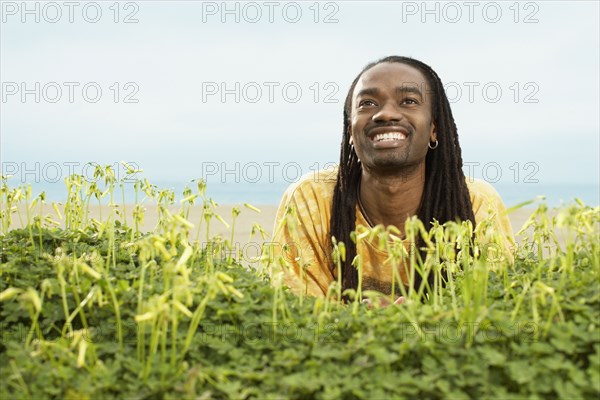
[389, 198]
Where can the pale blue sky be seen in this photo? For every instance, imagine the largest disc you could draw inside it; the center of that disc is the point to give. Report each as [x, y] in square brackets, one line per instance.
[170, 53]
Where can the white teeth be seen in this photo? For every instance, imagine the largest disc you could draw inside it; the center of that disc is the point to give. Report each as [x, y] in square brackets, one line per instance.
[389, 136]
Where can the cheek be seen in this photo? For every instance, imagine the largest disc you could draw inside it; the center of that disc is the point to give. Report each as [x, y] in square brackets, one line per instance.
[430, 125]
[355, 130]
[426, 129]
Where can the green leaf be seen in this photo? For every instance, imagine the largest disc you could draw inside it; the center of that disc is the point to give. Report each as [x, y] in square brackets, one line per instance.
[521, 371]
[492, 356]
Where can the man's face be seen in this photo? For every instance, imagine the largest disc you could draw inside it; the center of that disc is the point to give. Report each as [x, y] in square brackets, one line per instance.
[391, 121]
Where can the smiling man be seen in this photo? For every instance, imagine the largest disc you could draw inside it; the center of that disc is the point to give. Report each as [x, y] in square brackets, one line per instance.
[400, 157]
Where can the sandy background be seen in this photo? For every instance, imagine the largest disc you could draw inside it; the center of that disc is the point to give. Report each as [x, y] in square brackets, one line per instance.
[243, 224]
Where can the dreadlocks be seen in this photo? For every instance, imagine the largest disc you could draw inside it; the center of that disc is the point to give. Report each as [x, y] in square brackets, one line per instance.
[445, 195]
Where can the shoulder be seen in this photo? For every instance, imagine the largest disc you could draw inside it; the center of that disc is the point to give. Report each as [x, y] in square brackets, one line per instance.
[485, 199]
[488, 206]
[308, 202]
[315, 185]
[481, 190]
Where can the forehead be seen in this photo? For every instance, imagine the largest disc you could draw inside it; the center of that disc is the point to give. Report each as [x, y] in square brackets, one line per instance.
[389, 76]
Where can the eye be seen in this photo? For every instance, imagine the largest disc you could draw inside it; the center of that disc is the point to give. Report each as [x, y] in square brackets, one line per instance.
[410, 100]
[366, 103]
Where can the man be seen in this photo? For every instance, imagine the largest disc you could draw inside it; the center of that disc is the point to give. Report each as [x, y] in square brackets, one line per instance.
[400, 157]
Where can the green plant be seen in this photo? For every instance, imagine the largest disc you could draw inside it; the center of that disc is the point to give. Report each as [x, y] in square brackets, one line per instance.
[98, 309]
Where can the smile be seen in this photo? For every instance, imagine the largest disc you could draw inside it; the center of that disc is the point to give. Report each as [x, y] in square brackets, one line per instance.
[388, 136]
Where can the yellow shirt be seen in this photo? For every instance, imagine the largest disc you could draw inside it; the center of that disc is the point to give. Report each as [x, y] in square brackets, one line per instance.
[307, 243]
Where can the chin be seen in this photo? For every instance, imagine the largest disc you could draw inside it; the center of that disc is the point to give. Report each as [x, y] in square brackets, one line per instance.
[393, 164]
[391, 161]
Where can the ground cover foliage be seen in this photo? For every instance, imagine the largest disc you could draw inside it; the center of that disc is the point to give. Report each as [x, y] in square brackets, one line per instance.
[97, 309]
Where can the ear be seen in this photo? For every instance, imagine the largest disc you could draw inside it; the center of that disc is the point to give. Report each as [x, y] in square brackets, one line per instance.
[433, 133]
[351, 140]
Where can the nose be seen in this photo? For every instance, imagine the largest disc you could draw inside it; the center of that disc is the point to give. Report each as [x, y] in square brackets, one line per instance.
[389, 111]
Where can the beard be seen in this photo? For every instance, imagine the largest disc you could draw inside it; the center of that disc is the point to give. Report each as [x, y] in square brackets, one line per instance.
[399, 162]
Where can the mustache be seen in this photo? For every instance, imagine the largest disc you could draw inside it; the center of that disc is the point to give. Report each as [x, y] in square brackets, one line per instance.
[369, 127]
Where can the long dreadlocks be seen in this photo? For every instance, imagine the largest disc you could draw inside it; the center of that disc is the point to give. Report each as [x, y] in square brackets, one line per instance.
[445, 195]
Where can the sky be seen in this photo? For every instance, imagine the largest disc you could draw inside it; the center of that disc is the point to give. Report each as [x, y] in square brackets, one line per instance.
[253, 91]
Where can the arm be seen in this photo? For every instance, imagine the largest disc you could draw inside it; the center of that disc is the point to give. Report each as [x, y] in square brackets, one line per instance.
[491, 216]
[300, 241]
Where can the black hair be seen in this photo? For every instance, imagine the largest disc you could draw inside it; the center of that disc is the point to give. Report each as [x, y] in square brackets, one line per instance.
[445, 195]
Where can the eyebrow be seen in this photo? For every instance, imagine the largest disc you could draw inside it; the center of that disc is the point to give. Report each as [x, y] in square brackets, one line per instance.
[399, 90]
